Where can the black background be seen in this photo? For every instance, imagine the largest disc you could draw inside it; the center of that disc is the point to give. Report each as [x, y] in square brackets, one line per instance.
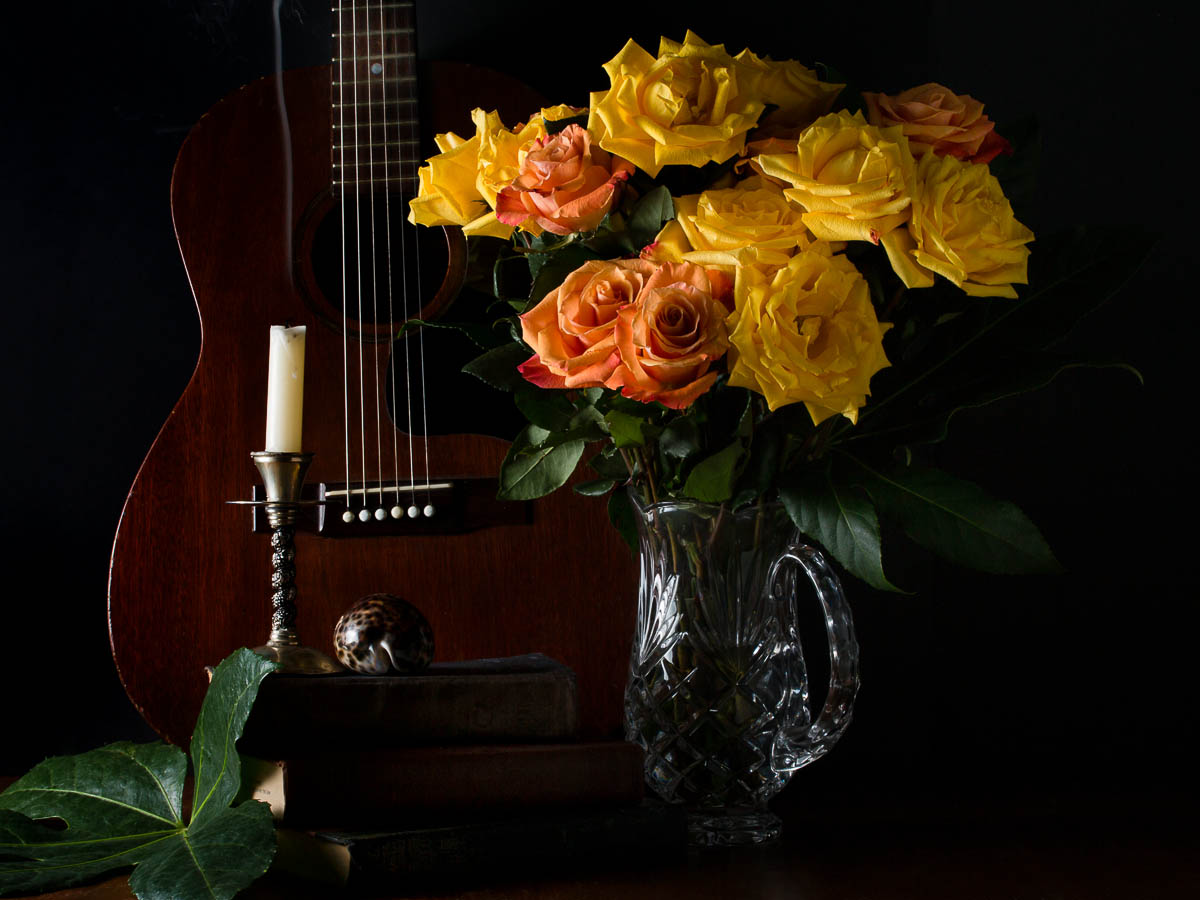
[1055, 692]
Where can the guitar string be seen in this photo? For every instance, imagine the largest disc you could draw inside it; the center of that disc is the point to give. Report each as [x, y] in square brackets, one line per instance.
[387, 217]
[341, 146]
[362, 382]
[374, 261]
[417, 264]
[413, 137]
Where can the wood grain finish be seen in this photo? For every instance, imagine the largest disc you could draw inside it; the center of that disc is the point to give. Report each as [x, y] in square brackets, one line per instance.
[189, 582]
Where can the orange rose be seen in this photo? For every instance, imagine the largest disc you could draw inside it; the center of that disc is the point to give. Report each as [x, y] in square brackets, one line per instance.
[571, 329]
[670, 337]
[565, 184]
[935, 118]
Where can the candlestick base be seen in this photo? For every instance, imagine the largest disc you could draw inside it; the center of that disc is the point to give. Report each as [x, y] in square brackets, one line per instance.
[294, 659]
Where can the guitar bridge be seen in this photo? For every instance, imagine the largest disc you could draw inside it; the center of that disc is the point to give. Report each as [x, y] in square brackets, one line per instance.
[455, 506]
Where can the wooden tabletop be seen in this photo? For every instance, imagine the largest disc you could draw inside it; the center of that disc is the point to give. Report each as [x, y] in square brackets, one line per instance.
[836, 858]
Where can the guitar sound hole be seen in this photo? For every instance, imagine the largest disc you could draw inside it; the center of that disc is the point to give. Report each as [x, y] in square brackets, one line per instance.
[377, 255]
[412, 265]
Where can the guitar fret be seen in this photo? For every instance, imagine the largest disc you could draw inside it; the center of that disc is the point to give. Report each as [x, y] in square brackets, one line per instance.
[409, 164]
[370, 7]
[407, 143]
[409, 123]
[378, 32]
[379, 79]
[388, 102]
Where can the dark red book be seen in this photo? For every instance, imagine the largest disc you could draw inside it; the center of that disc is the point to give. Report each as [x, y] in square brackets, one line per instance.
[360, 789]
[476, 853]
[511, 700]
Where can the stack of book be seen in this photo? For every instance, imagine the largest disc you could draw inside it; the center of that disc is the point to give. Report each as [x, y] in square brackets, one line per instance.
[468, 770]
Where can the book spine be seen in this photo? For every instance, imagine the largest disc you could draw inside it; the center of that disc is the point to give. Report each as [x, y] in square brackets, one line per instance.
[536, 707]
[385, 788]
[463, 854]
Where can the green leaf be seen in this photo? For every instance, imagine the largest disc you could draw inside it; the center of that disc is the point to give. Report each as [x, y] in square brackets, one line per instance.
[957, 520]
[624, 518]
[652, 211]
[121, 806]
[217, 769]
[681, 438]
[625, 430]
[534, 467]
[498, 367]
[551, 269]
[543, 407]
[711, 481]
[609, 464]
[597, 488]
[216, 858]
[842, 519]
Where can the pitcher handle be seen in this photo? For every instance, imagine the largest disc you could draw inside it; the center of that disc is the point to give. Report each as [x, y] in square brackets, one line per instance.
[803, 745]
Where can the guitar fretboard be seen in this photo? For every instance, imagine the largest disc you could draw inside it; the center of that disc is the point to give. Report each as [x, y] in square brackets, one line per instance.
[373, 96]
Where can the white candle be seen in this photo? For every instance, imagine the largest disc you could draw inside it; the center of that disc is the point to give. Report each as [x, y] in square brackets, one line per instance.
[285, 389]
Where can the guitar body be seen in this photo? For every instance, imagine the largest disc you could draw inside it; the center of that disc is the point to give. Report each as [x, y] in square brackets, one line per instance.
[190, 581]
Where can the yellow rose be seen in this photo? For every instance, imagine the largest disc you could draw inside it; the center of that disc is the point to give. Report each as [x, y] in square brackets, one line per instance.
[460, 184]
[794, 89]
[691, 105]
[806, 333]
[963, 229]
[751, 222]
[853, 180]
[447, 194]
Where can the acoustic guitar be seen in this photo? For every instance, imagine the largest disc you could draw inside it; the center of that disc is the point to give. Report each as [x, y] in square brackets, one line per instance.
[298, 218]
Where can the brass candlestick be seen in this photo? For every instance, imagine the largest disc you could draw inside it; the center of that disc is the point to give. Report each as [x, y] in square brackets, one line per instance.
[283, 476]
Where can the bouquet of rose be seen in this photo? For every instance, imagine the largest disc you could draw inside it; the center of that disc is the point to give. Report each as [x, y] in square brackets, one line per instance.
[752, 284]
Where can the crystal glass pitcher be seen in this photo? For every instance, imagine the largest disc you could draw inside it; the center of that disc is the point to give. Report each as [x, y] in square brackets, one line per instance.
[718, 693]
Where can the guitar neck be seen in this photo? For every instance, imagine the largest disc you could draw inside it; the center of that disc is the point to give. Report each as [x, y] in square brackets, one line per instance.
[373, 96]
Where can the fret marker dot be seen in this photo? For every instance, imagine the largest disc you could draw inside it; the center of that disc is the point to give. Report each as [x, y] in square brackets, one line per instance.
[397, 512]
[347, 516]
[380, 514]
[364, 515]
[376, 68]
[413, 512]
[429, 511]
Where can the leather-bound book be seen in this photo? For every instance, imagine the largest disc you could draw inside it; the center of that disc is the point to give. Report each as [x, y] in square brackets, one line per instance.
[359, 789]
[511, 700]
[476, 853]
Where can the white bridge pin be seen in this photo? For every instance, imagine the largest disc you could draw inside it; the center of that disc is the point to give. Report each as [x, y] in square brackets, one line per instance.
[413, 512]
[429, 511]
[347, 516]
[364, 515]
[380, 514]
[397, 512]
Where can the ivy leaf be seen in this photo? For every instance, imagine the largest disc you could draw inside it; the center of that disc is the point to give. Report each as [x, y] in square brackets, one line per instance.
[122, 805]
[215, 858]
[842, 519]
[535, 465]
[957, 520]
